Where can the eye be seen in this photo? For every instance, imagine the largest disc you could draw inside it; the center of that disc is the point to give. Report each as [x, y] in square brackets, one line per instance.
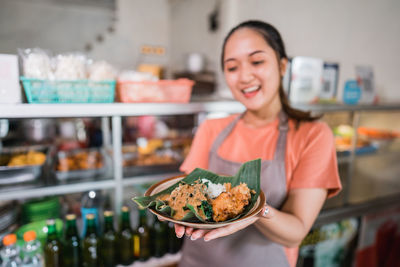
[258, 62]
[230, 69]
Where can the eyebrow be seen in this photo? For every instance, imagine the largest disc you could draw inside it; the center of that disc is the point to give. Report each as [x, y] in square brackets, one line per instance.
[251, 54]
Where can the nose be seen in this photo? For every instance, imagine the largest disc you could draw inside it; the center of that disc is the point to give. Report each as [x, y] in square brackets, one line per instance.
[246, 74]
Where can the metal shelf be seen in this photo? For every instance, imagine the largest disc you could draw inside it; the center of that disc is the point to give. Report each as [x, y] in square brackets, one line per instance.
[56, 190]
[114, 109]
[341, 107]
[138, 109]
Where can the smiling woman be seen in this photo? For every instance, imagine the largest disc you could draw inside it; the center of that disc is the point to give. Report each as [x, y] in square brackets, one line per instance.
[298, 168]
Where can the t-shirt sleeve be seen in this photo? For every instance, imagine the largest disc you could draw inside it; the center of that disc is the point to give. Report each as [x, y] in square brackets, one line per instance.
[317, 165]
[199, 150]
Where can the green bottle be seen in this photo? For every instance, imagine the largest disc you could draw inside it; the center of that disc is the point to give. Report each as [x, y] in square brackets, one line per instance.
[52, 248]
[90, 243]
[174, 243]
[71, 247]
[125, 239]
[159, 238]
[108, 241]
[143, 237]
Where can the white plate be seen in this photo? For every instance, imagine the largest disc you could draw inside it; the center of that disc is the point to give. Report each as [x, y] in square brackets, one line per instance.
[164, 184]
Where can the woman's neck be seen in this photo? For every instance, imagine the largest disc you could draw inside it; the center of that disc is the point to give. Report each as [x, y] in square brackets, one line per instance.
[262, 117]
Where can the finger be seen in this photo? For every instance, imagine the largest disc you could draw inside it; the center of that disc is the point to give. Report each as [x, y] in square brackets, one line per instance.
[160, 219]
[179, 230]
[189, 231]
[199, 233]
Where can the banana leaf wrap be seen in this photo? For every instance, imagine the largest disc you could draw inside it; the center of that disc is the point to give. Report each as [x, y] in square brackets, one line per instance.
[248, 173]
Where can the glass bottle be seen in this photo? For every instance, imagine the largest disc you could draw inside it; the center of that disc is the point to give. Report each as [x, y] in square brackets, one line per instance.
[125, 238]
[143, 236]
[174, 243]
[52, 249]
[159, 238]
[90, 244]
[92, 203]
[31, 251]
[71, 247]
[108, 241]
[10, 252]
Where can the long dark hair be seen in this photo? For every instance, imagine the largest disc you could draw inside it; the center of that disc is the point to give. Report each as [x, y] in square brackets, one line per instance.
[274, 40]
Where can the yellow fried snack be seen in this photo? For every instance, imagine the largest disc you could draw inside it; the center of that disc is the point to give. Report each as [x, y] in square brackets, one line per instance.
[31, 158]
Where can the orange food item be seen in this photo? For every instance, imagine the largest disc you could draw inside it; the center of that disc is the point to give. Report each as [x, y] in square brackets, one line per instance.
[377, 133]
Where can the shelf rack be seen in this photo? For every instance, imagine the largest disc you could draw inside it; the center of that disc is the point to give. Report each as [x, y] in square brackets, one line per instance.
[116, 111]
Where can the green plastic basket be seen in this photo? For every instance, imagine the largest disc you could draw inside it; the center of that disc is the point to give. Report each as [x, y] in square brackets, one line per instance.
[76, 91]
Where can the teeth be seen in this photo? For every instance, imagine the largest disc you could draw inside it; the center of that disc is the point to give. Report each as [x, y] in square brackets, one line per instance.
[251, 89]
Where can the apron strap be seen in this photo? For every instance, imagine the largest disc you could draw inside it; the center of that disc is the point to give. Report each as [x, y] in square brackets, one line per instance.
[283, 127]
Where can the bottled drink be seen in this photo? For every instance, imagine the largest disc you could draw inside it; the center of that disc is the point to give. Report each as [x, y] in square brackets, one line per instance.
[143, 236]
[10, 253]
[31, 251]
[52, 249]
[159, 238]
[92, 203]
[71, 247]
[108, 241]
[125, 238]
[174, 243]
[90, 243]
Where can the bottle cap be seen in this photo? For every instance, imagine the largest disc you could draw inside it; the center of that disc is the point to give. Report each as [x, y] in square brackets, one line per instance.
[29, 236]
[108, 213]
[50, 222]
[9, 239]
[70, 217]
[90, 216]
[125, 208]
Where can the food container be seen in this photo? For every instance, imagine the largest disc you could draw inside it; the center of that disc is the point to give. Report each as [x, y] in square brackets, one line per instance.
[74, 91]
[22, 174]
[160, 161]
[81, 164]
[176, 91]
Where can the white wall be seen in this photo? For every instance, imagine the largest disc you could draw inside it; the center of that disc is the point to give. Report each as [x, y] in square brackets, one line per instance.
[139, 23]
[50, 25]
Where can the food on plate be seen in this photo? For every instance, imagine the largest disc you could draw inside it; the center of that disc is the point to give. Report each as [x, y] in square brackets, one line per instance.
[212, 201]
[30, 158]
[82, 160]
[205, 197]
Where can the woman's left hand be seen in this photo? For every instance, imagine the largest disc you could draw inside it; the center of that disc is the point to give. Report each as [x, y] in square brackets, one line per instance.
[208, 235]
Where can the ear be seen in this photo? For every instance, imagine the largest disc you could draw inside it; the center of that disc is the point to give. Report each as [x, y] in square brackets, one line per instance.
[283, 65]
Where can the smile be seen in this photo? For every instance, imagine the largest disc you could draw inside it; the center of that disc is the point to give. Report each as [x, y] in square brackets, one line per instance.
[249, 92]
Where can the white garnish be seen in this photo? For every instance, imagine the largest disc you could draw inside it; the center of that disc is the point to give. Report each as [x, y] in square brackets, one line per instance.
[213, 190]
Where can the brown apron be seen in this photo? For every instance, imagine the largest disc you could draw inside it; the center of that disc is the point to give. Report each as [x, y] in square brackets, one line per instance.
[247, 247]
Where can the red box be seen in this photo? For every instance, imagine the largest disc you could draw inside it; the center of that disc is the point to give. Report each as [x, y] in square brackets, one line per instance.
[177, 91]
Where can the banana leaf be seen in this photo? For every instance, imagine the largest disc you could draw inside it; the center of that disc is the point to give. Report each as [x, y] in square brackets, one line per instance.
[248, 173]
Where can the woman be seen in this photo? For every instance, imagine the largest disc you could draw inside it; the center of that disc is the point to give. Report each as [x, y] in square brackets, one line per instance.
[299, 167]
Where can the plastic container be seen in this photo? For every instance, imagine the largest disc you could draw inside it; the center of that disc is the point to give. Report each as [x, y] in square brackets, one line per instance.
[76, 91]
[176, 91]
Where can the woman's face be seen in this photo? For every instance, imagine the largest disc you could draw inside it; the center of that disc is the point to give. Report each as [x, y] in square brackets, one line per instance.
[251, 69]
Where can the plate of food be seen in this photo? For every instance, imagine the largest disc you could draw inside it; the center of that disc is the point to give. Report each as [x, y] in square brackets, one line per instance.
[206, 200]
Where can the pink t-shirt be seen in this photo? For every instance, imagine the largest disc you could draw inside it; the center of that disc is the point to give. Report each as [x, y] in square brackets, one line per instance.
[310, 153]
